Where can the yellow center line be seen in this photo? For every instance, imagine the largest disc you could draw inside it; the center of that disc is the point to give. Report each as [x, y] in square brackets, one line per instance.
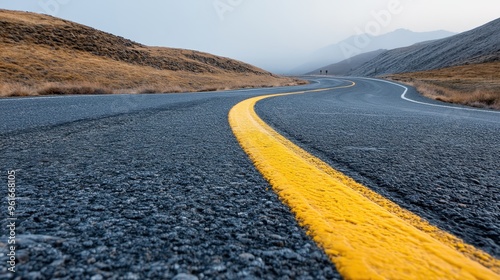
[364, 234]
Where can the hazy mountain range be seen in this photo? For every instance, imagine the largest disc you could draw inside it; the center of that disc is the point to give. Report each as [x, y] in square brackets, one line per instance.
[479, 45]
[348, 65]
[365, 43]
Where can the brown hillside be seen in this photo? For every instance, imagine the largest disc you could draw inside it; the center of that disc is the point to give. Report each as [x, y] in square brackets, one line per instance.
[41, 54]
[474, 85]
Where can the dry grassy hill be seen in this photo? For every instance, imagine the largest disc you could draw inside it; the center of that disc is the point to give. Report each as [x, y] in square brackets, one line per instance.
[475, 85]
[42, 55]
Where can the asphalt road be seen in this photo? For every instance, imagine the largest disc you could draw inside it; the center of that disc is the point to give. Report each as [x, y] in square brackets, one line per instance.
[156, 186]
[144, 187]
[442, 163]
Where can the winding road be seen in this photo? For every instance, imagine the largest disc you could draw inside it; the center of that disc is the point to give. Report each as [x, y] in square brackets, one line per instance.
[157, 186]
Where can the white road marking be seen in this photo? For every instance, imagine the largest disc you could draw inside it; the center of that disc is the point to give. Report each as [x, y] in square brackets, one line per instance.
[403, 96]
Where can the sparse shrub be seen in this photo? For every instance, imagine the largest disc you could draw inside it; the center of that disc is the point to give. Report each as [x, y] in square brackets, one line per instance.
[20, 92]
[174, 89]
[15, 90]
[148, 91]
[64, 89]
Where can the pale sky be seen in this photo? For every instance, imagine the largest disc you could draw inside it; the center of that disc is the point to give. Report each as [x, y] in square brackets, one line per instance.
[267, 33]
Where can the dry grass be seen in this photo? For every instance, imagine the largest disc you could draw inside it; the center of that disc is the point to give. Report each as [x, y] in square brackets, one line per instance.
[475, 85]
[42, 55]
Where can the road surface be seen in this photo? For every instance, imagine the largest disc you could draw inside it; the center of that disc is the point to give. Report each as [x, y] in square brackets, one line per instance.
[155, 186]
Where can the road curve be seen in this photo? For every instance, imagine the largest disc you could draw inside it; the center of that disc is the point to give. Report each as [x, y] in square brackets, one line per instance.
[437, 160]
[366, 235]
[152, 186]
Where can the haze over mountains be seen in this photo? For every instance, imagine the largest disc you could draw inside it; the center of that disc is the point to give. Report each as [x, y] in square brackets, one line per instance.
[364, 43]
[479, 45]
[345, 66]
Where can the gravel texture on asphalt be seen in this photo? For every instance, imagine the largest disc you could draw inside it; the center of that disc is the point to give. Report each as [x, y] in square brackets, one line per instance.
[155, 194]
[441, 164]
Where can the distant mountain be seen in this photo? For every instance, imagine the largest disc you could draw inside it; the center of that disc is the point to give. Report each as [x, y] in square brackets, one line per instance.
[475, 46]
[345, 66]
[364, 43]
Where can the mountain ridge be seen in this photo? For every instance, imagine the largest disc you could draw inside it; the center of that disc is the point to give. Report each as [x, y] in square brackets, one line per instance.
[479, 45]
[363, 43]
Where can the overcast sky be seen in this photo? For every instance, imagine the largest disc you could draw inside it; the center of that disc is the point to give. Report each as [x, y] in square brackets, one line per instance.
[266, 33]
